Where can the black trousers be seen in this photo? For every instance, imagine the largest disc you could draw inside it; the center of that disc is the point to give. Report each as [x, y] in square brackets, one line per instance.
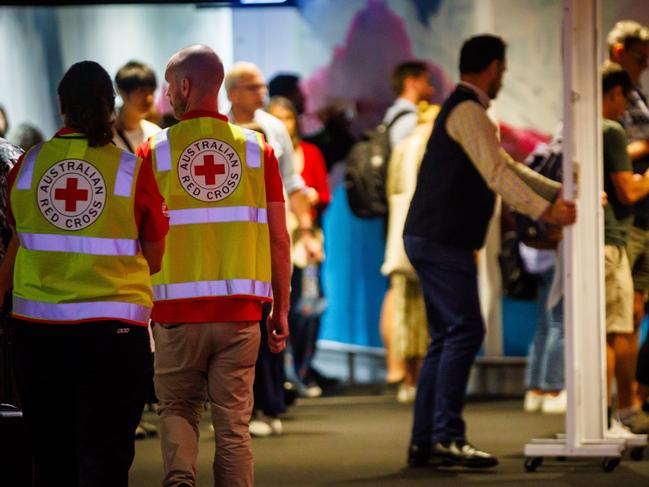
[449, 281]
[82, 388]
[268, 388]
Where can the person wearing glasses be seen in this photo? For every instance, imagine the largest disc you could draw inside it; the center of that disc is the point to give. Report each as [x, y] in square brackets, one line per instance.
[628, 46]
[247, 91]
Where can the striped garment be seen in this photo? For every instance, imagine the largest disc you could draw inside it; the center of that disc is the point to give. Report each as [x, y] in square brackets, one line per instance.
[525, 190]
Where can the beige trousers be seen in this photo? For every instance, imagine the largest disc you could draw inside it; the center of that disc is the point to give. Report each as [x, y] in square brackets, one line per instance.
[195, 361]
[619, 290]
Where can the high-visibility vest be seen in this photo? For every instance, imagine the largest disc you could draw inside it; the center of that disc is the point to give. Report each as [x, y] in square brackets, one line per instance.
[211, 174]
[79, 257]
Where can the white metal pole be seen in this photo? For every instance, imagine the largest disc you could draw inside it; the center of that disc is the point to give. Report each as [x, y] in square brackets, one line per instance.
[583, 271]
[583, 263]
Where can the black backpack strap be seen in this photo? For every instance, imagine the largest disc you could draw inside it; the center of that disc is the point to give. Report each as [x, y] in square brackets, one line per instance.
[398, 116]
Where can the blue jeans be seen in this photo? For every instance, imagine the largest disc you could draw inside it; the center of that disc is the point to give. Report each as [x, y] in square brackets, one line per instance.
[545, 360]
[304, 330]
[449, 281]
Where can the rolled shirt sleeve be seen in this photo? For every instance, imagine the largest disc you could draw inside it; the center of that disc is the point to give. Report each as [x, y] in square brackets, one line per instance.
[526, 191]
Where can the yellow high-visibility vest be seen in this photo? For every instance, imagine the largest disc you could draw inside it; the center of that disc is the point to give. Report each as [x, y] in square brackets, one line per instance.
[79, 256]
[211, 174]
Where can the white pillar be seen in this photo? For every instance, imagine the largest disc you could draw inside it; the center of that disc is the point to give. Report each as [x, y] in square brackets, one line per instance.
[583, 273]
[584, 241]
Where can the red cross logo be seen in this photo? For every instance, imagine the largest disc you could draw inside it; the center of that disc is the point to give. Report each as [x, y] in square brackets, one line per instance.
[71, 194]
[209, 170]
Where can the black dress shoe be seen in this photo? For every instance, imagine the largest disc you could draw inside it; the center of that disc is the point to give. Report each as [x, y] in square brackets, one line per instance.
[461, 453]
[418, 455]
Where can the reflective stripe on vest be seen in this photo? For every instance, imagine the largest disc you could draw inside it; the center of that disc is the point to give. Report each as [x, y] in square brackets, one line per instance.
[218, 215]
[27, 171]
[80, 245]
[253, 150]
[81, 311]
[123, 183]
[162, 151]
[125, 172]
[232, 231]
[226, 287]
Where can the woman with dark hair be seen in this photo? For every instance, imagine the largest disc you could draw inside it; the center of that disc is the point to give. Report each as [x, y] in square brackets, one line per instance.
[89, 228]
[307, 303]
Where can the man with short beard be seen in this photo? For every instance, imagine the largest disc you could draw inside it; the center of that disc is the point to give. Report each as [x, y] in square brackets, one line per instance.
[228, 254]
[462, 171]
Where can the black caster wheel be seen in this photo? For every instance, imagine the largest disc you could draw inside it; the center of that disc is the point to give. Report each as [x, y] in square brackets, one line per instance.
[532, 463]
[637, 453]
[609, 464]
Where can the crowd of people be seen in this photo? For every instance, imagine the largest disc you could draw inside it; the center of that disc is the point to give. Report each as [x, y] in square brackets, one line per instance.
[178, 258]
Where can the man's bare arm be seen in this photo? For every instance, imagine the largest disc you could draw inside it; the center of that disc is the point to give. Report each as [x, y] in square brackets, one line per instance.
[630, 187]
[153, 252]
[301, 208]
[637, 149]
[280, 255]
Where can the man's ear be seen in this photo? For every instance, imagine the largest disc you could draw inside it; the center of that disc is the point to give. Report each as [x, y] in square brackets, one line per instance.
[185, 85]
[618, 90]
[612, 94]
[616, 52]
[408, 81]
[494, 67]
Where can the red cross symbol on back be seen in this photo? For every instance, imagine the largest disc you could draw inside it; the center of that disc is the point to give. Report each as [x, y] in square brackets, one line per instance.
[71, 194]
[209, 170]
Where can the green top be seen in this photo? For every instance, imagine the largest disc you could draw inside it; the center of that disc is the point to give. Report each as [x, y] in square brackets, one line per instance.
[618, 217]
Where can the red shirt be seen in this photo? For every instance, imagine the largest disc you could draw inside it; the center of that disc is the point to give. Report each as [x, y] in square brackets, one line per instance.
[314, 173]
[217, 308]
[150, 209]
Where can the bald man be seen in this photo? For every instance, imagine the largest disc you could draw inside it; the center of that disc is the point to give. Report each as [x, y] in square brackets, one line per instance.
[247, 91]
[228, 254]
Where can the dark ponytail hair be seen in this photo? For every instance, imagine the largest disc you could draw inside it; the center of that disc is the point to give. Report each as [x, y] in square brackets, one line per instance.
[88, 101]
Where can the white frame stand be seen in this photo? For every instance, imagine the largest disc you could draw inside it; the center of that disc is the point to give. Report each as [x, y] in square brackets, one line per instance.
[583, 273]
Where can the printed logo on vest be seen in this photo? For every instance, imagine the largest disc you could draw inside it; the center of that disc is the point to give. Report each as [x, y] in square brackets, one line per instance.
[71, 194]
[209, 170]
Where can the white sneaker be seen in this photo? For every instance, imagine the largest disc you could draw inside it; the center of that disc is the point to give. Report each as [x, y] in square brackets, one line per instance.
[635, 419]
[406, 393]
[140, 433]
[311, 391]
[533, 402]
[618, 430]
[555, 404]
[276, 426]
[260, 429]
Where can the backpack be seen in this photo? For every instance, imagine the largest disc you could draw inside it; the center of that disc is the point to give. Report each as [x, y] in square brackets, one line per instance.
[366, 170]
[547, 161]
